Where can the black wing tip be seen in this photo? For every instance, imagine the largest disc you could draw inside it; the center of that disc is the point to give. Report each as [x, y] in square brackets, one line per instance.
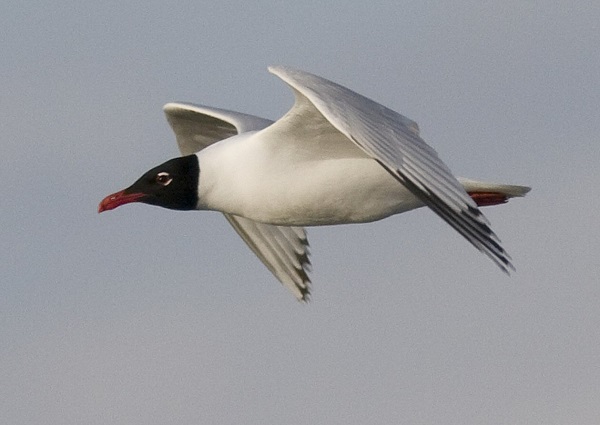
[304, 296]
[505, 263]
[306, 286]
[305, 268]
[470, 223]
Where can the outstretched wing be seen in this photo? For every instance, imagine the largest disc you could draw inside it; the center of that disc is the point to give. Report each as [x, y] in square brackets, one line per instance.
[197, 126]
[394, 142]
[284, 250]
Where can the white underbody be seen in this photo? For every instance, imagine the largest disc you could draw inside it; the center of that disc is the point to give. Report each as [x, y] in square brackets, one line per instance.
[242, 176]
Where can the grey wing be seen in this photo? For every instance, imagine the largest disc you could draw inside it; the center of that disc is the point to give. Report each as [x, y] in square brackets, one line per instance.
[197, 126]
[394, 142]
[283, 250]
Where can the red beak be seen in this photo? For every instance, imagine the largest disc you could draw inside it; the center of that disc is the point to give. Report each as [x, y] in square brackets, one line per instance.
[117, 199]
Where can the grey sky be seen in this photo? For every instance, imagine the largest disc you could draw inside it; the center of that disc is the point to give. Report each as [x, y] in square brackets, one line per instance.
[149, 316]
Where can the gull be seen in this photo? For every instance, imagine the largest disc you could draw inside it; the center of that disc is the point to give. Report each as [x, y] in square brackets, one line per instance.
[336, 157]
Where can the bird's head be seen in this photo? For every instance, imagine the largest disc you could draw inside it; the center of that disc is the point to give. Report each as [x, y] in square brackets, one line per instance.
[173, 185]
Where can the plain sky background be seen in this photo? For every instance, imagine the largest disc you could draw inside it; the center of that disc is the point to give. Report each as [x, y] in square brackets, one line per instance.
[148, 316]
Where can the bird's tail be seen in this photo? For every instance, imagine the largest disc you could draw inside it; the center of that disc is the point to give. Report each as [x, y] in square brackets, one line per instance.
[485, 193]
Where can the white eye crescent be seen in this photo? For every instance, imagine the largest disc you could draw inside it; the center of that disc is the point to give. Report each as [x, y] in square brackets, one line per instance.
[163, 178]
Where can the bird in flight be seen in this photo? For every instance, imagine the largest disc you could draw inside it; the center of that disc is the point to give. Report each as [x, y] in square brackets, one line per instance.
[336, 157]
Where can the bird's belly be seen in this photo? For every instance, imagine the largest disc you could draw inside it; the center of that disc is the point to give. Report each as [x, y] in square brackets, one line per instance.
[349, 190]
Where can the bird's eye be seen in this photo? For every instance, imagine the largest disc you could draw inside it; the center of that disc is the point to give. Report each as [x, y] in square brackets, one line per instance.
[163, 178]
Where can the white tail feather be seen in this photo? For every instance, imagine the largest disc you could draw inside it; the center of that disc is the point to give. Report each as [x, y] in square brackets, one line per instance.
[510, 191]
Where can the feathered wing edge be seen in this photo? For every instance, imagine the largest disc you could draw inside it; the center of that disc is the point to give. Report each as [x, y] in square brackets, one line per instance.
[283, 249]
[393, 141]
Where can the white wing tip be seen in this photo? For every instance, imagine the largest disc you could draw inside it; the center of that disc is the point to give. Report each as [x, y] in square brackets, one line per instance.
[176, 108]
[281, 70]
[171, 106]
[179, 106]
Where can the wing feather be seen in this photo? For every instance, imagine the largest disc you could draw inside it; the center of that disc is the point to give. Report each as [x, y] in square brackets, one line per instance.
[197, 126]
[284, 250]
[394, 142]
